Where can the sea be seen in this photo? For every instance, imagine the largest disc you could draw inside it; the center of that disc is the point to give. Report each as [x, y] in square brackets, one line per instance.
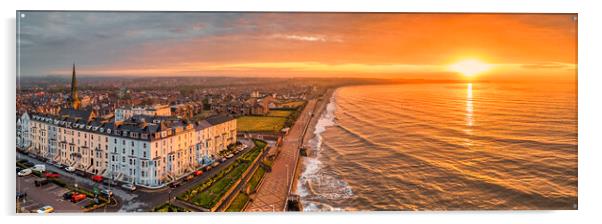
[451, 146]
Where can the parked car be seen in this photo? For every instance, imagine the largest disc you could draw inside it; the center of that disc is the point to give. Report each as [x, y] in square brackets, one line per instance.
[223, 160]
[106, 192]
[70, 169]
[215, 164]
[67, 196]
[97, 178]
[207, 168]
[28, 164]
[175, 184]
[77, 197]
[21, 195]
[56, 164]
[82, 173]
[24, 172]
[198, 172]
[108, 181]
[129, 186]
[230, 156]
[51, 175]
[39, 168]
[189, 177]
[19, 169]
[41, 182]
[46, 209]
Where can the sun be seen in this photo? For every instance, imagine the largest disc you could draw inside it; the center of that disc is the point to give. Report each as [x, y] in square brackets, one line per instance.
[470, 67]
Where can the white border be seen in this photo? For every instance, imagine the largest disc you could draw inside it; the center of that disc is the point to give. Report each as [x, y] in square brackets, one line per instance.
[590, 89]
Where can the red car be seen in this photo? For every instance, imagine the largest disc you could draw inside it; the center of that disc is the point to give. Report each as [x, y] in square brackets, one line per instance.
[77, 197]
[97, 178]
[198, 173]
[51, 175]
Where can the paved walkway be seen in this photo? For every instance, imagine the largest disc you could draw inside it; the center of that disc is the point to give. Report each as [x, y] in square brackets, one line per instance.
[273, 192]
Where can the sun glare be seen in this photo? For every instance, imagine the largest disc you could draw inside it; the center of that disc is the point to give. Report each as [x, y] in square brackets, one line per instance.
[470, 67]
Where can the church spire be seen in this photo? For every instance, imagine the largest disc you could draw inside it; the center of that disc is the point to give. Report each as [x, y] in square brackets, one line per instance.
[75, 103]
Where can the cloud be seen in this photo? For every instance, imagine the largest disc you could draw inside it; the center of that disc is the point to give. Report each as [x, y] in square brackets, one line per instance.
[140, 43]
[548, 65]
[309, 38]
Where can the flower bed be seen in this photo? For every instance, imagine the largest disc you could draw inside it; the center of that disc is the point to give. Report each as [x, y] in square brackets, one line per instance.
[208, 193]
[239, 203]
[170, 208]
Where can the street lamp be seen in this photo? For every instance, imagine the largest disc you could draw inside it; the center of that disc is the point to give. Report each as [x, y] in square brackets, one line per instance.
[109, 194]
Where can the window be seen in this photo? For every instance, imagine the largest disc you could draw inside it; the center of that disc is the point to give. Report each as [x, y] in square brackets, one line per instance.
[123, 159]
[143, 154]
[144, 145]
[132, 143]
[132, 152]
[123, 143]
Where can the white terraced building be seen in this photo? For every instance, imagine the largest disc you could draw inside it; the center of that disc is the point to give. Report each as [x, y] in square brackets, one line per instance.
[144, 150]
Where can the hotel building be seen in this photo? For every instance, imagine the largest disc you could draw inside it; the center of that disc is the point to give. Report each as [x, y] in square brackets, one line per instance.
[144, 149]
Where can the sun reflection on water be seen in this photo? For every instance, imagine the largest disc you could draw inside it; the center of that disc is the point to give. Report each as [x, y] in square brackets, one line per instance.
[469, 108]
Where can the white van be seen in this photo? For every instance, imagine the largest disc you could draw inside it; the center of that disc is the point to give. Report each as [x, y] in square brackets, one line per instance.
[39, 168]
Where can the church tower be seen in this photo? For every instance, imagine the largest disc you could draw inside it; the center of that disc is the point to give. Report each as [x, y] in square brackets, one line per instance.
[75, 103]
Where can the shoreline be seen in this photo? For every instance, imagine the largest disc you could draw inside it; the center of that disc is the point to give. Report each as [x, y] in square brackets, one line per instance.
[325, 100]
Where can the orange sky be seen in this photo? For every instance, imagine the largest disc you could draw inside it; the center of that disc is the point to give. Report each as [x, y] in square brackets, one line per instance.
[310, 44]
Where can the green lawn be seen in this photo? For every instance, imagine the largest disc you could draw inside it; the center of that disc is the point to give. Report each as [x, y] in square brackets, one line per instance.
[238, 203]
[170, 208]
[256, 178]
[260, 123]
[279, 113]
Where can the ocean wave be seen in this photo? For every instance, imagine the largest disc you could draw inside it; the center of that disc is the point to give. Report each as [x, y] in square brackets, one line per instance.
[409, 152]
[313, 184]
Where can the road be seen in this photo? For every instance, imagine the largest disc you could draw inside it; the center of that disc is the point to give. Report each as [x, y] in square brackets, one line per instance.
[273, 193]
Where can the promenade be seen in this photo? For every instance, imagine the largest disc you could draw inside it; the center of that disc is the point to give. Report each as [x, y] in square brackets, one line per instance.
[273, 193]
